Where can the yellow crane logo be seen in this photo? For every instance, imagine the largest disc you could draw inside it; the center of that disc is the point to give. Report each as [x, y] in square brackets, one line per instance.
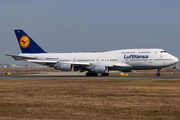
[24, 41]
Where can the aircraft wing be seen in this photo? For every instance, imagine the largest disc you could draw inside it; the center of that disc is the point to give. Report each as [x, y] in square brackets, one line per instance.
[18, 57]
[43, 61]
[121, 64]
[48, 62]
[78, 63]
[51, 62]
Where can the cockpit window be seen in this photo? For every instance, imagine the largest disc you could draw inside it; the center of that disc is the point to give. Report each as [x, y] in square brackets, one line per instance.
[163, 52]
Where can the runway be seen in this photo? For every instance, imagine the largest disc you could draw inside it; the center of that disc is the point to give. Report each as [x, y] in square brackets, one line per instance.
[44, 76]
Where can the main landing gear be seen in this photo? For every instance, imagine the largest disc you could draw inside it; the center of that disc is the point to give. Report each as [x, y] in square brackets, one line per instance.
[91, 74]
[105, 74]
[96, 74]
[158, 74]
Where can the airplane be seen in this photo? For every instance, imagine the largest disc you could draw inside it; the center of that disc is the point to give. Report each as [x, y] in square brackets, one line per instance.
[94, 63]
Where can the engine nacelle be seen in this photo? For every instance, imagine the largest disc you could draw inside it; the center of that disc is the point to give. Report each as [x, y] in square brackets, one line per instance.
[100, 69]
[66, 67]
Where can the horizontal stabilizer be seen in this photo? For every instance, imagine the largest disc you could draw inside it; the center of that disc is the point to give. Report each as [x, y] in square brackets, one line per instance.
[18, 57]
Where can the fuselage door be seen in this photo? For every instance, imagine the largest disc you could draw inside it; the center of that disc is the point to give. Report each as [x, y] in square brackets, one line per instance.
[150, 59]
[98, 60]
[136, 52]
[126, 60]
[74, 59]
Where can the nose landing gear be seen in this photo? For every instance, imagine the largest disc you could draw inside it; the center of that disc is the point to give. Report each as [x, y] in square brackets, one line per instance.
[158, 74]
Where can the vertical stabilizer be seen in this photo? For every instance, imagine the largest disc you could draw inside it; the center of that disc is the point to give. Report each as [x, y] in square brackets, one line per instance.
[27, 44]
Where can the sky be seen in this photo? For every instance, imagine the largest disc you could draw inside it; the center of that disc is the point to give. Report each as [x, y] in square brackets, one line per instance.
[90, 25]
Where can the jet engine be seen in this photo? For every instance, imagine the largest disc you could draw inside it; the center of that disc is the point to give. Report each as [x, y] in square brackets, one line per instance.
[100, 69]
[65, 67]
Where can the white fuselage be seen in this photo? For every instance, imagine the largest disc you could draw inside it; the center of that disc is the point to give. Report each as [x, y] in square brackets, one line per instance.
[137, 59]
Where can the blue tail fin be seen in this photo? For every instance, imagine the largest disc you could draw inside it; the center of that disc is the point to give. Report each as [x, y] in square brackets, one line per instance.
[27, 44]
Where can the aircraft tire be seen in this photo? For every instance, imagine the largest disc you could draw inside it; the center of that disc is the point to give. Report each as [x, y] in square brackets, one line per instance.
[95, 74]
[105, 74]
[91, 74]
[158, 74]
[88, 74]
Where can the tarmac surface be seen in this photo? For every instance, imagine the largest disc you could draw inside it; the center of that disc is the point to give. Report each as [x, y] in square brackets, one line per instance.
[78, 76]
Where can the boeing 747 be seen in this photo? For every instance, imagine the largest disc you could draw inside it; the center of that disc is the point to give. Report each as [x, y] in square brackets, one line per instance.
[124, 60]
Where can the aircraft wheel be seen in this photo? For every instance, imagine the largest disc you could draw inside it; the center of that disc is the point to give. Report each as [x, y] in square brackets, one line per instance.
[95, 74]
[158, 74]
[88, 74]
[91, 74]
[102, 74]
[105, 74]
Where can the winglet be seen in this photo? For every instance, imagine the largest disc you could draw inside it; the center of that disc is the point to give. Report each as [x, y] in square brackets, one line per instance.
[27, 44]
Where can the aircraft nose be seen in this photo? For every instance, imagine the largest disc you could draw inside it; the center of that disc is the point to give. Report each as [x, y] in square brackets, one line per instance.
[176, 59]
